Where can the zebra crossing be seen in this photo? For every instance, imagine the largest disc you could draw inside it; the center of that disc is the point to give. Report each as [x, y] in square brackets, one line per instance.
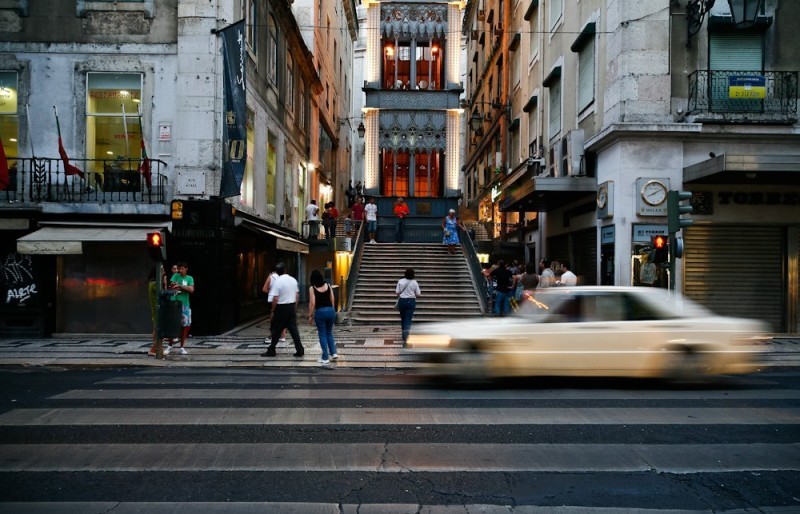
[357, 441]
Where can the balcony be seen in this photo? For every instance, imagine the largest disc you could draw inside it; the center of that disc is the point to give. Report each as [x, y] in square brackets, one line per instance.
[38, 180]
[721, 96]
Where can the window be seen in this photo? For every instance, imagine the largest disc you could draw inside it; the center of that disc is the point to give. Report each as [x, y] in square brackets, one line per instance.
[272, 74]
[554, 109]
[9, 120]
[272, 172]
[732, 54]
[534, 36]
[301, 111]
[251, 17]
[586, 76]
[290, 83]
[555, 13]
[84, 6]
[249, 167]
[515, 70]
[107, 95]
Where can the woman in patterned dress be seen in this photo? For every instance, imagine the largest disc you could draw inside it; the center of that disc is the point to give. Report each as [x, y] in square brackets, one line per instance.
[450, 226]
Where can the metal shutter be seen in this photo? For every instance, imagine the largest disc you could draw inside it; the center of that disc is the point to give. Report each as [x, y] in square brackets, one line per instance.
[736, 51]
[584, 263]
[736, 270]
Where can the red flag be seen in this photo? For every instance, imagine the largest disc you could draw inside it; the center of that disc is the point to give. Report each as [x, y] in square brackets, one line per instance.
[4, 179]
[144, 167]
[69, 169]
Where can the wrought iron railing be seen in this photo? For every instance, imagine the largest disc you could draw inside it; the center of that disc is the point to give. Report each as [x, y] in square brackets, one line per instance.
[355, 267]
[488, 231]
[771, 93]
[476, 270]
[35, 180]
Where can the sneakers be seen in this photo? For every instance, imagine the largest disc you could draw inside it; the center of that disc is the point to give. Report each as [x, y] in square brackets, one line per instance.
[371, 241]
[151, 353]
[282, 340]
[299, 354]
[323, 361]
[183, 351]
[269, 353]
[167, 349]
[335, 357]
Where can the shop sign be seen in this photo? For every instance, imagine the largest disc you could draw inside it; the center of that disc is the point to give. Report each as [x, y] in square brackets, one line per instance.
[642, 233]
[759, 198]
[607, 235]
[747, 87]
[496, 192]
[190, 183]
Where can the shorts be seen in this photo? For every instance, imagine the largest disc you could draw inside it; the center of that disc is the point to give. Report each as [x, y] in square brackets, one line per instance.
[372, 226]
[186, 316]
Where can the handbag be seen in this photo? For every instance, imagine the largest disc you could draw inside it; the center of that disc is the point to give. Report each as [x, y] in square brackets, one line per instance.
[447, 233]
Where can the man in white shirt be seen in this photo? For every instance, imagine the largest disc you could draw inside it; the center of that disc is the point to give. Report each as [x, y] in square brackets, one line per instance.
[546, 276]
[568, 278]
[371, 214]
[284, 295]
[312, 216]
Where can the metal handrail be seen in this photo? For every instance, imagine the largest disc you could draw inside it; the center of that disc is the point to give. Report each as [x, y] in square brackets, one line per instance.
[355, 267]
[476, 271]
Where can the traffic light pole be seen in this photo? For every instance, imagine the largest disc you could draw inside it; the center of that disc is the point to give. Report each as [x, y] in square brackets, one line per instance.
[672, 262]
[157, 328]
[675, 224]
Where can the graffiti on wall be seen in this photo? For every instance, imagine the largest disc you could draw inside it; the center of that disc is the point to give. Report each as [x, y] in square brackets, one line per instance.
[18, 279]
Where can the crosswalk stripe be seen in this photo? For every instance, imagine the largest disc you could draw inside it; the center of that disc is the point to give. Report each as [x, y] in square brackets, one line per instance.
[398, 416]
[401, 457]
[418, 394]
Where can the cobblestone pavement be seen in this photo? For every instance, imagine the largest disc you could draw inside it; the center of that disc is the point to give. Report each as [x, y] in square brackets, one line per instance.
[365, 346]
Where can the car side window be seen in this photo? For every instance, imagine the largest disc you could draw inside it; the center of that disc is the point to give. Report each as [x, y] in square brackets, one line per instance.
[567, 311]
[635, 310]
[606, 307]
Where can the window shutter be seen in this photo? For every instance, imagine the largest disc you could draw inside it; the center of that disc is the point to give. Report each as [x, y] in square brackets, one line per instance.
[735, 51]
[555, 109]
[586, 76]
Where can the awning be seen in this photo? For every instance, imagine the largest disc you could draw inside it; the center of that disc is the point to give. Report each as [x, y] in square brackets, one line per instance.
[69, 239]
[745, 169]
[282, 241]
[546, 193]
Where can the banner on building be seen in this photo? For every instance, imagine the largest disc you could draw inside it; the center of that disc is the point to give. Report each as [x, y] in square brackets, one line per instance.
[234, 137]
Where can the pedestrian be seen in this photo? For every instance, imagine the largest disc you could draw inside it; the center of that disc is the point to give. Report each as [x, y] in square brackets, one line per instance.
[183, 284]
[407, 292]
[350, 194]
[152, 295]
[329, 219]
[546, 276]
[269, 283]
[400, 212]
[357, 213]
[504, 288]
[322, 313]
[529, 281]
[359, 189]
[312, 217]
[348, 224]
[285, 296]
[568, 278]
[450, 226]
[371, 213]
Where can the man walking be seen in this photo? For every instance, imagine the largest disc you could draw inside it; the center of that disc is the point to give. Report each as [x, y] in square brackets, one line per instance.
[284, 295]
[568, 278]
[312, 216]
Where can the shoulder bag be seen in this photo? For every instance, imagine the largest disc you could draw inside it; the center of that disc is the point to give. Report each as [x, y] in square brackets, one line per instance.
[397, 302]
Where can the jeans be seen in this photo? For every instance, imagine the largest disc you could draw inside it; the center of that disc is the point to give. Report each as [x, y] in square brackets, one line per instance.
[372, 226]
[313, 229]
[400, 228]
[502, 303]
[324, 318]
[406, 307]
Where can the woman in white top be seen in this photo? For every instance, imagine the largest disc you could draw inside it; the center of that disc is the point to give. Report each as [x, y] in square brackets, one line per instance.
[407, 291]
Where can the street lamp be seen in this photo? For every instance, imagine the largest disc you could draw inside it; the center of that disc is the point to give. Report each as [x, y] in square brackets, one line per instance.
[476, 121]
[361, 130]
[745, 12]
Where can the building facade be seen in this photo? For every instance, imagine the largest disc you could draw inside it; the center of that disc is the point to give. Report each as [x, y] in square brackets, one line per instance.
[138, 93]
[612, 104]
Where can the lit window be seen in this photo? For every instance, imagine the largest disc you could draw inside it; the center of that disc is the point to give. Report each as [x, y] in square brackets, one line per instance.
[108, 94]
[9, 121]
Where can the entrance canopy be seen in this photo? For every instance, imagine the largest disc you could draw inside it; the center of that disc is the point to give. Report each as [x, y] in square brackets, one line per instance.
[745, 169]
[68, 239]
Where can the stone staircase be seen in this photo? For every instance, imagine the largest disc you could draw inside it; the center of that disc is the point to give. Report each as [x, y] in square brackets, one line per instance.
[448, 291]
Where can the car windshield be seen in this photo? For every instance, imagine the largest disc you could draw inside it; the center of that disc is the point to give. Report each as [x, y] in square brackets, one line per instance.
[607, 304]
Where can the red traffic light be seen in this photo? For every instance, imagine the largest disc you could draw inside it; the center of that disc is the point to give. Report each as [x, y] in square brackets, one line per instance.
[156, 246]
[659, 242]
[155, 239]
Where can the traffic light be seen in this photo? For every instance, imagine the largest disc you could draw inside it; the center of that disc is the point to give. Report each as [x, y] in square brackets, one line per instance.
[675, 209]
[157, 246]
[660, 249]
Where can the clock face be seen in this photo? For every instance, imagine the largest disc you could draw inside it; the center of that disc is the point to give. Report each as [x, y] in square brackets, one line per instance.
[602, 196]
[654, 192]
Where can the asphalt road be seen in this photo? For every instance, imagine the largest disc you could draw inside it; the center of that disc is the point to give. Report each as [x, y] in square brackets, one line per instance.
[347, 440]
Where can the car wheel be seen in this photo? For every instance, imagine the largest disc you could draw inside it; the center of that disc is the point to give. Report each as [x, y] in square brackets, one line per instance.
[685, 365]
[471, 366]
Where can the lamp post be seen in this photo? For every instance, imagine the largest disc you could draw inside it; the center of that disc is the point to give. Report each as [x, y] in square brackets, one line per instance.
[361, 130]
[745, 12]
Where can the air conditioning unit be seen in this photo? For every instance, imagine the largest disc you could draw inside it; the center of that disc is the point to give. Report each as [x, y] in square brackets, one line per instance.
[572, 153]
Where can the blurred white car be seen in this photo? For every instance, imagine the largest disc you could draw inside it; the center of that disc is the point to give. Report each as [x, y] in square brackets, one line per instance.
[594, 331]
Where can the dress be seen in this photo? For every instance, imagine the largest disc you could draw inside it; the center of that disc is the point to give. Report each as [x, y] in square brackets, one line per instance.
[451, 226]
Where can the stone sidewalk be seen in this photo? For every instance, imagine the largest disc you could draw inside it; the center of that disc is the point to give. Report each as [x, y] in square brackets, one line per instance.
[358, 346]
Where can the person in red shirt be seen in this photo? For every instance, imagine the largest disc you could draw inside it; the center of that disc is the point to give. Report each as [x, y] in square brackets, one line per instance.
[400, 212]
[357, 213]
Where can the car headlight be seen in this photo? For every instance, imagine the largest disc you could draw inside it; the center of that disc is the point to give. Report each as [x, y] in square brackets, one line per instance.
[428, 341]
